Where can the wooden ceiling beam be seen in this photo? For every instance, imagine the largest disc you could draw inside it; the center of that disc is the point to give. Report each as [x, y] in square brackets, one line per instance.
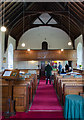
[65, 21]
[40, 12]
[63, 13]
[13, 13]
[63, 8]
[30, 6]
[27, 22]
[12, 9]
[70, 24]
[74, 12]
[15, 19]
[78, 7]
[7, 5]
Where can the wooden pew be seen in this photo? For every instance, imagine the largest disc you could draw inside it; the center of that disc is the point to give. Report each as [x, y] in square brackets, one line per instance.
[4, 96]
[63, 82]
[21, 95]
[67, 80]
[72, 89]
[31, 89]
[34, 77]
[59, 81]
[58, 78]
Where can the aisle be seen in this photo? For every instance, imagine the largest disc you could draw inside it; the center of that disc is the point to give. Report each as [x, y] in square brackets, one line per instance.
[45, 104]
[45, 98]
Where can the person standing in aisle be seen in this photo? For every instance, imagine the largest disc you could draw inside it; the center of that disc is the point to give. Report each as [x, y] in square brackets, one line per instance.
[48, 70]
[59, 68]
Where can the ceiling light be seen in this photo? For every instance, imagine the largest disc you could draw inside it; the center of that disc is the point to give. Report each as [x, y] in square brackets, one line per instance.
[61, 49]
[23, 44]
[69, 43]
[28, 49]
[3, 29]
[32, 61]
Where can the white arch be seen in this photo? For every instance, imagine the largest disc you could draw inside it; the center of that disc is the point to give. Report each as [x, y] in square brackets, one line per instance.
[79, 54]
[55, 37]
[10, 56]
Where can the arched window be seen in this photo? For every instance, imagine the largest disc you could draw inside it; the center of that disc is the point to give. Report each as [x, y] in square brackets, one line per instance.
[44, 45]
[10, 56]
[79, 54]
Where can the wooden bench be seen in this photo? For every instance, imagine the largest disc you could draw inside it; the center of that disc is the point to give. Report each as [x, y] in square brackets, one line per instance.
[21, 96]
[68, 82]
[4, 96]
[58, 78]
[73, 88]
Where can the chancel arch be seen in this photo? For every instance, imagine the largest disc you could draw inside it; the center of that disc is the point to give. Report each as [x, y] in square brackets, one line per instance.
[55, 37]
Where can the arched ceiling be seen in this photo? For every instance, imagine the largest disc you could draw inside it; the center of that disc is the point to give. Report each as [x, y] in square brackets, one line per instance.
[20, 16]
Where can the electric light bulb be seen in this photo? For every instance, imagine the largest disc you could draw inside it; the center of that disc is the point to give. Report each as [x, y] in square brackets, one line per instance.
[61, 49]
[23, 44]
[3, 29]
[69, 43]
[28, 49]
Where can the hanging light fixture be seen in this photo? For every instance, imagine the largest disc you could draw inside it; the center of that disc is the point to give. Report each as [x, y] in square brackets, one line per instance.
[23, 45]
[69, 43]
[28, 49]
[3, 28]
[62, 49]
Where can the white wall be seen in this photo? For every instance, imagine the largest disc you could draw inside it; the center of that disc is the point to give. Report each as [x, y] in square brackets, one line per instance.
[55, 37]
[13, 42]
[78, 40]
[2, 36]
[27, 65]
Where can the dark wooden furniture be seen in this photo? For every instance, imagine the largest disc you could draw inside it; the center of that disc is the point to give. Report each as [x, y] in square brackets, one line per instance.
[10, 77]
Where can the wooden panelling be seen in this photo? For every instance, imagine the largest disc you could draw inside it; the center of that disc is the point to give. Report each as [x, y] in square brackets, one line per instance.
[24, 55]
[21, 97]
[4, 97]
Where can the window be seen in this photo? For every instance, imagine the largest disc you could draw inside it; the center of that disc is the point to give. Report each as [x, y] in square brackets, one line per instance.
[10, 56]
[79, 54]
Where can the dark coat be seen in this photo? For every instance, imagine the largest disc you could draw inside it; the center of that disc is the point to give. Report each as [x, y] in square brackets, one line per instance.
[48, 70]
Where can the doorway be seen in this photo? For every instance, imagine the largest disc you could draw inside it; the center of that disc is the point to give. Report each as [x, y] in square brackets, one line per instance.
[44, 45]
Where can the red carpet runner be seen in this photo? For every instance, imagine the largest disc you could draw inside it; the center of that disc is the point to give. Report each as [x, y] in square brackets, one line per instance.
[45, 104]
[45, 98]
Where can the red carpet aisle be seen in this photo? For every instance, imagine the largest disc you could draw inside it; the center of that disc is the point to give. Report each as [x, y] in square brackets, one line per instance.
[45, 104]
[45, 98]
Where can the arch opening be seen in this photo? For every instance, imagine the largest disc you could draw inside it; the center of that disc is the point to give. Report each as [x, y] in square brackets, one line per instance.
[44, 45]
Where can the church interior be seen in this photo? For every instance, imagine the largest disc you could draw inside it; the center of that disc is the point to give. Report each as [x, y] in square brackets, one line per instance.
[41, 60]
